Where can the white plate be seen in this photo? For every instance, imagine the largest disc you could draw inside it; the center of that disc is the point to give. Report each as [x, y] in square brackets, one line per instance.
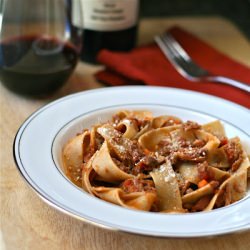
[39, 141]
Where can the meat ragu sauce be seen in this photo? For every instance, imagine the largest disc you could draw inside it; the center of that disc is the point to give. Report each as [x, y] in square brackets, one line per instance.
[136, 156]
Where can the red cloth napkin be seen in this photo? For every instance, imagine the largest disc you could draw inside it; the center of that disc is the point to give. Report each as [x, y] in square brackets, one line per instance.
[147, 65]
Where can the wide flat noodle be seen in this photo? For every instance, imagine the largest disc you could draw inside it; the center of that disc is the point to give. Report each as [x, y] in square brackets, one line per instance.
[165, 121]
[137, 114]
[218, 158]
[212, 142]
[181, 134]
[189, 172]
[235, 186]
[88, 175]
[167, 188]
[73, 158]
[135, 117]
[94, 140]
[216, 128]
[198, 194]
[106, 168]
[152, 138]
[137, 200]
[120, 145]
[130, 128]
[86, 143]
[218, 174]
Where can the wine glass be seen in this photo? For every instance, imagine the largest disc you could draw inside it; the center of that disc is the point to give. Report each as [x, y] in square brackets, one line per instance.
[39, 44]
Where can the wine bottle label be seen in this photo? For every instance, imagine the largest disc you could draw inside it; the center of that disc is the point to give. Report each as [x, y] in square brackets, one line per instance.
[106, 15]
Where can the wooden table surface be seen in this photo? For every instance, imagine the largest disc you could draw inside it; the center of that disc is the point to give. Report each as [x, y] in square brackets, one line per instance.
[29, 223]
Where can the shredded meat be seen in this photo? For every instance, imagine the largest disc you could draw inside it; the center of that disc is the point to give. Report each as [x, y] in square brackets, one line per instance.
[141, 123]
[171, 121]
[165, 147]
[188, 154]
[183, 152]
[136, 161]
[198, 143]
[201, 204]
[181, 149]
[87, 156]
[124, 166]
[116, 119]
[220, 201]
[140, 185]
[234, 153]
[214, 184]
[136, 152]
[137, 185]
[189, 125]
[184, 187]
[98, 141]
[223, 141]
[147, 164]
[203, 172]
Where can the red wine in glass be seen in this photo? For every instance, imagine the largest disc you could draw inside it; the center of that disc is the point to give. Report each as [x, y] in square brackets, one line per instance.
[34, 65]
[39, 46]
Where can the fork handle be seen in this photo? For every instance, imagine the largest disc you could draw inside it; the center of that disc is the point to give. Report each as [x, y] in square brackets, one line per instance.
[231, 82]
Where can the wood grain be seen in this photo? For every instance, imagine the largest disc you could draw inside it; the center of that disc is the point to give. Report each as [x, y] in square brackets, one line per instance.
[29, 223]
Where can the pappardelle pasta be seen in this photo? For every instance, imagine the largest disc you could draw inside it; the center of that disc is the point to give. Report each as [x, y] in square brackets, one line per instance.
[158, 164]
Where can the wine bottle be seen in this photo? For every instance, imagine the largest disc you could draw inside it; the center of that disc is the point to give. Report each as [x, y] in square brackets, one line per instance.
[109, 24]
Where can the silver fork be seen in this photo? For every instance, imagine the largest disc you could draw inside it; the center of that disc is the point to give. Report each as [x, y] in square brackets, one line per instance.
[187, 67]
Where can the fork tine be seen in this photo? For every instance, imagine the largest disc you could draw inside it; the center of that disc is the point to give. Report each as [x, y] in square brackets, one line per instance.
[176, 46]
[165, 48]
[170, 47]
[179, 57]
[183, 59]
[174, 57]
